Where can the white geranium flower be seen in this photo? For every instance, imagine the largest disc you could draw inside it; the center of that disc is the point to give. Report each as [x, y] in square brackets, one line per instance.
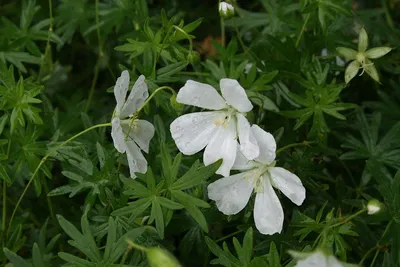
[226, 10]
[233, 193]
[215, 130]
[318, 258]
[131, 136]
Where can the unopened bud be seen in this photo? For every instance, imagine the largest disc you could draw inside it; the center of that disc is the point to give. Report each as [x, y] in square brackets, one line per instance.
[193, 57]
[226, 10]
[159, 257]
[374, 206]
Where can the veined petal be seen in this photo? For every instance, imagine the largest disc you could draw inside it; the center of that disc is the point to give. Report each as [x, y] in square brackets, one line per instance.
[117, 135]
[200, 95]
[241, 162]
[223, 145]
[142, 132]
[248, 144]
[289, 184]
[136, 160]
[235, 95]
[268, 212]
[232, 193]
[136, 98]
[192, 132]
[266, 143]
[120, 89]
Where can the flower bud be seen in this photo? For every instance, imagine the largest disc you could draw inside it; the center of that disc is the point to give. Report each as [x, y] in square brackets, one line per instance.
[226, 10]
[193, 57]
[374, 206]
[159, 257]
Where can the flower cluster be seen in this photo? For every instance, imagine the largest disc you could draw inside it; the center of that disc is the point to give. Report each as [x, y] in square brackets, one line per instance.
[226, 134]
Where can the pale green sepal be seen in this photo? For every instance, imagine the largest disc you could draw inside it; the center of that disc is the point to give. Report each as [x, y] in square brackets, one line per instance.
[377, 52]
[362, 41]
[347, 52]
[351, 71]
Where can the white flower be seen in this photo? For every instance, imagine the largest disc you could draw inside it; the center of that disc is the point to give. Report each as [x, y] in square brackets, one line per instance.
[319, 259]
[215, 130]
[226, 10]
[129, 135]
[373, 206]
[232, 193]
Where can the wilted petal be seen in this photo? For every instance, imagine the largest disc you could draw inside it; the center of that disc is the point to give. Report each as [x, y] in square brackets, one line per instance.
[235, 95]
[266, 143]
[141, 132]
[377, 52]
[232, 193]
[192, 132]
[241, 162]
[120, 89]
[369, 68]
[200, 95]
[362, 41]
[136, 98]
[248, 144]
[222, 146]
[136, 160]
[268, 212]
[351, 71]
[289, 184]
[117, 135]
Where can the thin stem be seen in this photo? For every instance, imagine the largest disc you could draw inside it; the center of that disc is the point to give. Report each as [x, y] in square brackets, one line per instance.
[348, 218]
[136, 246]
[304, 143]
[302, 30]
[54, 149]
[230, 235]
[48, 46]
[152, 95]
[97, 67]
[222, 23]
[123, 260]
[187, 37]
[374, 259]
[366, 255]
[49, 203]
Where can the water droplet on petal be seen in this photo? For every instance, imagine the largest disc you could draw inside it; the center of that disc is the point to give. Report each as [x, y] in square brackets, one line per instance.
[195, 100]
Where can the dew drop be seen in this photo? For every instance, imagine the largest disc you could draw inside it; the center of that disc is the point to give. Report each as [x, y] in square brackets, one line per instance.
[195, 99]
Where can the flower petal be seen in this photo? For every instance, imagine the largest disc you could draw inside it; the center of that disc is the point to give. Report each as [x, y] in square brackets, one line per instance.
[235, 95]
[120, 89]
[266, 143]
[351, 71]
[142, 132]
[136, 98]
[136, 160]
[223, 145]
[232, 193]
[317, 259]
[192, 132]
[200, 95]
[268, 212]
[117, 135]
[289, 184]
[241, 162]
[248, 144]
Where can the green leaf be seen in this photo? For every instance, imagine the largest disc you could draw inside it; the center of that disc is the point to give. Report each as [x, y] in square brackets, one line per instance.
[273, 255]
[157, 214]
[169, 204]
[262, 101]
[15, 259]
[37, 256]
[134, 209]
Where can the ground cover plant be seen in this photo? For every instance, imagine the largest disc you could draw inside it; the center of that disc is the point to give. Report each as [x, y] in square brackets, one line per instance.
[178, 133]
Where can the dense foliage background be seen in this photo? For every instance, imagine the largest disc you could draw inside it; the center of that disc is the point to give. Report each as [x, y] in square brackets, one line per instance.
[59, 63]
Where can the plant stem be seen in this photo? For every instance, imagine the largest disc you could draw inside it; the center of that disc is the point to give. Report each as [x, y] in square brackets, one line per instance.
[97, 67]
[348, 218]
[136, 246]
[222, 23]
[48, 46]
[374, 259]
[304, 143]
[230, 235]
[302, 30]
[44, 160]
[49, 203]
[152, 95]
[3, 221]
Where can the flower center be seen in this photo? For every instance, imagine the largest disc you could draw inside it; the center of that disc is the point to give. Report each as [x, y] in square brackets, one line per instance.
[228, 115]
[262, 169]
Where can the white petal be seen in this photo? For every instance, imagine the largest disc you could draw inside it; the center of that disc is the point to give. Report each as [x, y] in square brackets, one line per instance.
[267, 144]
[136, 161]
[235, 95]
[192, 132]
[117, 135]
[268, 212]
[232, 193]
[120, 89]
[136, 98]
[222, 146]
[141, 132]
[333, 262]
[289, 184]
[316, 259]
[200, 95]
[248, 144]
[241, 162]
